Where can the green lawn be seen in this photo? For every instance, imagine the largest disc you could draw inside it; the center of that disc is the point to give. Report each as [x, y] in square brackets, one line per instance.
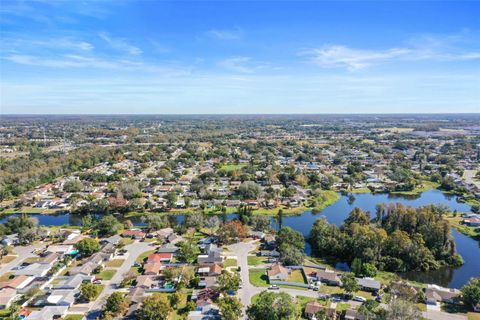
[342, 306]
[230, 263]
[258, 277]
[116, 263]
[296, 276]
[456, 222]
[256, 260]
[143, 256]
[74, 317]
[232, 167]
[106, 274]
[126, 241]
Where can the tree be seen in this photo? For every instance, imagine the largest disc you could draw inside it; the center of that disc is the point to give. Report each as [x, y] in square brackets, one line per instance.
[128, 189]
[356, 267]
[87, 246]
[349, 283]
[174, 299]
[260, 223]
[280, 219]
[188, 252]
[116, 304]
[73, 186]
[249, 190]
[471, 292]
[171, 198]
[369, 270]
[399, 309]
[108, 226]
[230, 308]
[273, 306]
[155, 222]
[290, 246]
[90, 291]
[228, 281]
[232, 231]
[155, 307]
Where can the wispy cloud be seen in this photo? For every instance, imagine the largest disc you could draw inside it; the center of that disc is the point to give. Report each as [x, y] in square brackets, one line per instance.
[423, 48]
[120, 44]
[240, 64]
[233, 34]
[78, 61]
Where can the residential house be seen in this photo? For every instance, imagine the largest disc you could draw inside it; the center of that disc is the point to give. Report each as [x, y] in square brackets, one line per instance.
[174, 238]
[48, 313]
[134, 234]
[62, 297]
[11, 240]
[164, 257]
[278, 273]
[168, 248]
[436, 294]
[312, 308]
[61, 249]
[50, 258]
[146, 281]
[369, 284]
[7, 297]
[85, 269]
[353, 314]
[34, 270]
[72, 282]
[213, 255]
[18, 282]
[152, 268]
[327, 276]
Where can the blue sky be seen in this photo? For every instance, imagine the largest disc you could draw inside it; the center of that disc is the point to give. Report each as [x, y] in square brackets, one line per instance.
[239, 56]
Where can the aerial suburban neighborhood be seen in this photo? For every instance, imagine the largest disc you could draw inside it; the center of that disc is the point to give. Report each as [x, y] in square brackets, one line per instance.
[134, 228]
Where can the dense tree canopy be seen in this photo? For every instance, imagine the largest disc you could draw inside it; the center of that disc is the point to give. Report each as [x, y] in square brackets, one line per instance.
[400, 238]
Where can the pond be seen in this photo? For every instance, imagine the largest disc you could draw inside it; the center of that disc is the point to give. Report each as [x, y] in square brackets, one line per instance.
[336, 213]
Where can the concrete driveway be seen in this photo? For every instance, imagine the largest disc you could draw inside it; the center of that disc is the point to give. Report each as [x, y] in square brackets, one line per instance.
[134, 250]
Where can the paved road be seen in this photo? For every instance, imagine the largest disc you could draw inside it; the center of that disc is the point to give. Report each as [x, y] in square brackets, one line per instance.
[22, 252]
[134, 250]
[248, 290]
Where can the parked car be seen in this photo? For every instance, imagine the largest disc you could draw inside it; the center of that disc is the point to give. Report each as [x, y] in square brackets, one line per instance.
[274, 287]
[323, 296]
[239, 269]
[359, 299]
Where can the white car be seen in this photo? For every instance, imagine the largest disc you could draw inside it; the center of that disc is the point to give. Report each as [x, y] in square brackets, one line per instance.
[274, 287]
[359, 299]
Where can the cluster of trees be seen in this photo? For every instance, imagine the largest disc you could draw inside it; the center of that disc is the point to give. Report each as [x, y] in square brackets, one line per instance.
[106, 226]
[87, 246]
[290, 246]
[26, 228]
[399, 239]
[26, 172]
[273, 306]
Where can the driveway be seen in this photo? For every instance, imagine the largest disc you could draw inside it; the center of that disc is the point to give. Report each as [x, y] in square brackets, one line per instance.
[134, 250]
[22, 252]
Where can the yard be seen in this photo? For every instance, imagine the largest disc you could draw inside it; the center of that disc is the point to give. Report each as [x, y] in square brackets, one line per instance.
[143, 256]
[296, 276]
[258, 277]
[256, 260]
[106, 274]
[7, 259]
[230, 263]
[116, 263]
[232, 167]
[74, 317]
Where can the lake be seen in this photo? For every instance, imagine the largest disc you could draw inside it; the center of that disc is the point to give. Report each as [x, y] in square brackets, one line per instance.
[336, 214]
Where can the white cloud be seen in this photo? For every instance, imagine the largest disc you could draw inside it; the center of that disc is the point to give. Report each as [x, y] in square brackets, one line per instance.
[120, 44]
[78, 61]
[421, 48]
[239, 64]
[235, 34]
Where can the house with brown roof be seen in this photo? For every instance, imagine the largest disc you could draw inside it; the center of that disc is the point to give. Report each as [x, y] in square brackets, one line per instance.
[278, 273]
[133, 233]
[160, 257]
[18, 282]
[313, 308]
[146, 281]
[152, 268]
[50, 258]
[327, 276]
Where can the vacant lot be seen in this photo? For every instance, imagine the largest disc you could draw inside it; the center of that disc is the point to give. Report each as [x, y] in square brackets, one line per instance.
[117, 263]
